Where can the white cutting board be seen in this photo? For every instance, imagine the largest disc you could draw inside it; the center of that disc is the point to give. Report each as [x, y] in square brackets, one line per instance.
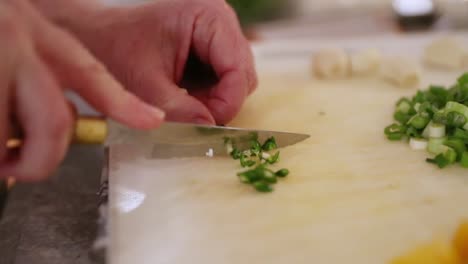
[351, 197]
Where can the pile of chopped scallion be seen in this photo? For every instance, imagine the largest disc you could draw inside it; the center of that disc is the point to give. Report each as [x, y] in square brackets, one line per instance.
[435, 120]
[257, 159]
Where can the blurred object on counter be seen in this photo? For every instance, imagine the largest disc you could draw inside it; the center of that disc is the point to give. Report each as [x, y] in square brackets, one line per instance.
[253, 11]
[456, 12]
[415, 14]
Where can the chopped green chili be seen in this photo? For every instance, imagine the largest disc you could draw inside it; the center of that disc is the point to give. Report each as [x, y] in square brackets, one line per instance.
[260, 176]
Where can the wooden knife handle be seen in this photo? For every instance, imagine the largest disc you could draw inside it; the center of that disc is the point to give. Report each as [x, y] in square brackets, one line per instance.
[90, 130]
[87, 130]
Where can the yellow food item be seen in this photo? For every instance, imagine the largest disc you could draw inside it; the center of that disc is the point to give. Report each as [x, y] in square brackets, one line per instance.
[435, 253]
[460, 242]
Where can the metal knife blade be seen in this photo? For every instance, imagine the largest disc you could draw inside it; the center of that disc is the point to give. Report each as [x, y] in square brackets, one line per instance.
[175, 140]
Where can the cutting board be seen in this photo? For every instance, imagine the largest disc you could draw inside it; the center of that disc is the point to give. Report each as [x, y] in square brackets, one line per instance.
[351, 196]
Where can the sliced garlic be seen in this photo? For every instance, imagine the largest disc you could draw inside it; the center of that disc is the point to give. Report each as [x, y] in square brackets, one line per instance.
[400, 71]
[332, 63]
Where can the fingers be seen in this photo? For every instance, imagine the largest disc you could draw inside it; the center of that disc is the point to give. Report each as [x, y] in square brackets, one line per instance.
[176, 102]
[225, 100]
[218, 41]
[79, 70]
[45, 119]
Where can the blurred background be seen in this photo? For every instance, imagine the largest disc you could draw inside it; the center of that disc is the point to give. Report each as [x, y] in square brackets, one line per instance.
[308, 18]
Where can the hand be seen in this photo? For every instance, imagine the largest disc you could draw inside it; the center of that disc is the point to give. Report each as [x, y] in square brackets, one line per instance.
[36, 59]
[157, 48]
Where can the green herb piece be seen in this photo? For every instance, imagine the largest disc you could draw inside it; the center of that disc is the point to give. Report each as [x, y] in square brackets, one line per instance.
[463, 80]
[273, 159]
[436, 145]
[464, 160]
[412, 132]
[395, 136]
[455, 119]
[427, 108]
[439, 117]
[437, 95]
[243, 178]
[270, 144]
[255, 147]
[394, 128]
[269, 177]
[262, 186]
[246, 162]
[460, 134]
[457, 144]
[402, 118]
[252, 175]
[458, 108]
[420, 97]
[236, 154]
[439, 160]
[404, 106]
[282, 173]
[451, 155]
[418, 121]
[444, 159]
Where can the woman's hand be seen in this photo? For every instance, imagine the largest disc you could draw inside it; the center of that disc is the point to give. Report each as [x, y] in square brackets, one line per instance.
[37, 59]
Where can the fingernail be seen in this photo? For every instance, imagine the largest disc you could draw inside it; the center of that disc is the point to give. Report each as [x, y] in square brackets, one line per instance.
[156, 112]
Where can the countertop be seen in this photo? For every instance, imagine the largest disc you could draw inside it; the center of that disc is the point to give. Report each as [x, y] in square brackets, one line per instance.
[55, 221]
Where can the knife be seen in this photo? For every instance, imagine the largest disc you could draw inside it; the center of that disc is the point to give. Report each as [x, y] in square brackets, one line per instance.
[92, 130]
[170, 140]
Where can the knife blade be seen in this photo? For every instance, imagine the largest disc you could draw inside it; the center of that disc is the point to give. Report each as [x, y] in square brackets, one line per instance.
[172, 139]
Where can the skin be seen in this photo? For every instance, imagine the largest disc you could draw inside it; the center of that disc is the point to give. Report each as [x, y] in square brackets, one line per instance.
[157, 48]
[153, 50]
[37, 59]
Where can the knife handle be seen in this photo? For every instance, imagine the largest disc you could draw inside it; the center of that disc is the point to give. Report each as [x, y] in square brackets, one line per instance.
[90, 130]
[87, 130]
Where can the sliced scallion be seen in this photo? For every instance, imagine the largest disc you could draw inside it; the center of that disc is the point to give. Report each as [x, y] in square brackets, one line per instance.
[282, 173]
[464, 160]
[436, 130]
[456, 144]
[439, 160]
[418, 144]
[262, 186]
[418, 121]
[436, 145]
[404, 105]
